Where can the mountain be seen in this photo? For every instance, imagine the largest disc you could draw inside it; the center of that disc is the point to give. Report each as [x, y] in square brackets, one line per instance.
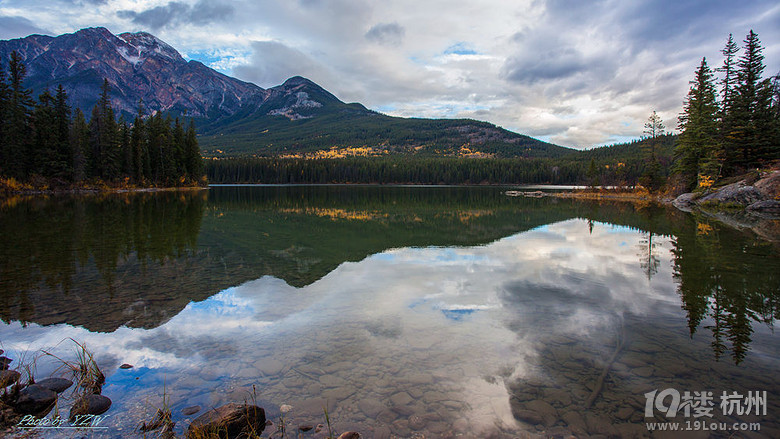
[237, 118]
[137, 66]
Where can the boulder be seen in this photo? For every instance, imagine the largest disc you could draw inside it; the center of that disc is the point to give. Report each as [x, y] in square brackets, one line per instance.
[685, 202]
[229, 421]
[35, 399]
[90, 404]
[769, 185]
[349, 435]
[736, 193]
[58, 385]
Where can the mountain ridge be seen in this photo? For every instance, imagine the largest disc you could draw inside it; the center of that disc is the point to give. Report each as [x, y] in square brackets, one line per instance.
[238, 118]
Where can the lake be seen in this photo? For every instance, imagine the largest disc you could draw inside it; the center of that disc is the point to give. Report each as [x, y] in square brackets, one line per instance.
[405, 311]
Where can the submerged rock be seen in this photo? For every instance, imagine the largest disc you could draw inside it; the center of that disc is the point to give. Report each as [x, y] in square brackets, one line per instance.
[35, 399]
[58, 385]
[233, 419]
[126, 366]
[8, 377]
[771, 207]
[191, 410]
[90, 404]
[349, 435]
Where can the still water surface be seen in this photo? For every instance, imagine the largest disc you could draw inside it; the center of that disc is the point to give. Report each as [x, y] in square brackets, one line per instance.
[408, 312]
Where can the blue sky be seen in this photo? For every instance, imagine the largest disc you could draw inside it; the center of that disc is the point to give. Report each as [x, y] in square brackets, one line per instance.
[577, 73]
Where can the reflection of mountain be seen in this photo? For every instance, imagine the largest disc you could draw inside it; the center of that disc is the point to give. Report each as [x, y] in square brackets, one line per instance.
[138, 259]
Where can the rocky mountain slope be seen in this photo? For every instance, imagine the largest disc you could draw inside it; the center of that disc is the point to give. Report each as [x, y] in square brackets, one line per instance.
[137, 66]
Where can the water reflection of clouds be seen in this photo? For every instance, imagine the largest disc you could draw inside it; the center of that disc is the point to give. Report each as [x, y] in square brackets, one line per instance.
[486, 308]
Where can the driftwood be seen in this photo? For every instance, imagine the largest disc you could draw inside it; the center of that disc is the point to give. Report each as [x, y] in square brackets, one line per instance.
[619, 343]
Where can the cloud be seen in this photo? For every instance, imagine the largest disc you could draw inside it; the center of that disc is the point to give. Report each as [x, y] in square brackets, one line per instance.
[579, 73]
[16, 27]
[203, 12]
[386, 33]
[273, 62]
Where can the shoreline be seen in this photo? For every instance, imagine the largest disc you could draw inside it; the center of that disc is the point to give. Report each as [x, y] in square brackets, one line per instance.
[94, 191]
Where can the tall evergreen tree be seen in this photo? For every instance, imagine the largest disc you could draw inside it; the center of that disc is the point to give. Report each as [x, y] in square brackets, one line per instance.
[62, 124]
[192, 158]
[729, 70]
[697, 151]
[4, 104]
[19, 111]
[654, 129]
[79, 146]
[139, 147]
[751, 107]
[42, 157]
[104, 137]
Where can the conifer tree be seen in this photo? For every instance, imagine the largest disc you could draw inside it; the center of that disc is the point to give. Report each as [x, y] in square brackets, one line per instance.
[19, 111]
[62, 126]
[104, 137]
[654, 129]
[193, 159]
[42, 157]
[697, 150]
[79, 146]
[138, 146]
[751, 107]
[4, 98]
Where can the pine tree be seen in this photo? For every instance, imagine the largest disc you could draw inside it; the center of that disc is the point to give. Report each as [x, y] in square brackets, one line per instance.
[79, 146]
[62, 124]
[4, 104]
[104, 138]
[139, 147]
[697, 150]
[654, 129]
[751, 107]
[193, 159]
[729, 72]
[19, 111]
[42, 157]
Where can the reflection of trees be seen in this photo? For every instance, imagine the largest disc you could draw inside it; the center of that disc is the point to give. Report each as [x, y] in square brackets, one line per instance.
[648, 258]
[731, 280]
[63, 254]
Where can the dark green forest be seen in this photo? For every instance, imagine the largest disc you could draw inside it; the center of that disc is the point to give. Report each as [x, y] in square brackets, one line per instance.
[729, 124]
[622, 165]
[45, 143]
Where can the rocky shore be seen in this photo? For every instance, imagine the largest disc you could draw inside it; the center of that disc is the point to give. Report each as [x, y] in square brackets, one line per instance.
[750, 203]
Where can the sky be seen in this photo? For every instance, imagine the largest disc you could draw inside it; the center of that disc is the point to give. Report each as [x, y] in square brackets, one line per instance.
[576, 73]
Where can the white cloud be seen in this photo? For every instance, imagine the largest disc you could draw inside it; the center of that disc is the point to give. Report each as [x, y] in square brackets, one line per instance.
[580, 73]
